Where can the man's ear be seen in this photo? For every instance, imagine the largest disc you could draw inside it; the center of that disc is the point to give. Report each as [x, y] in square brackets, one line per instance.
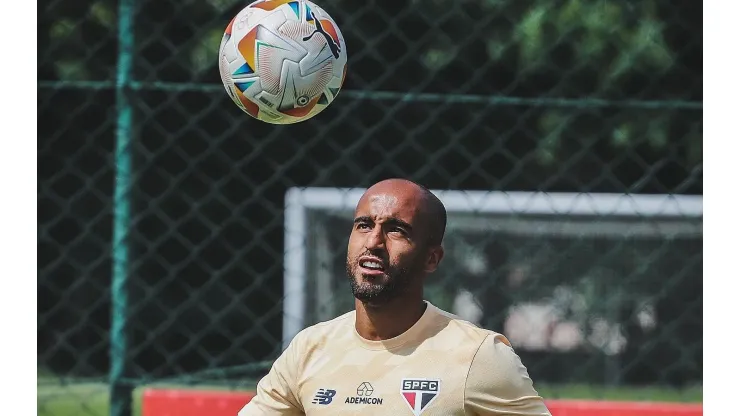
[434, 258]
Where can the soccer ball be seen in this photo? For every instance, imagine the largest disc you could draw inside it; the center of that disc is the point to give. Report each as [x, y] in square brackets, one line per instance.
[282, 61]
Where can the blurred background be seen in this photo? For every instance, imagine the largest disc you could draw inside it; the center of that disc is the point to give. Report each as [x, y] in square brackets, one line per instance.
[176, 277]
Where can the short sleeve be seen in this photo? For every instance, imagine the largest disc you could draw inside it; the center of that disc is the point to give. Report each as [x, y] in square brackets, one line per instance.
[499, 384]
[276, 393]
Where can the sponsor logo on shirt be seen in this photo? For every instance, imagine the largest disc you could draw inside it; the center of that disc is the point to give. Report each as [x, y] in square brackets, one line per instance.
[364, 395]
[419, 393]
[324, 396]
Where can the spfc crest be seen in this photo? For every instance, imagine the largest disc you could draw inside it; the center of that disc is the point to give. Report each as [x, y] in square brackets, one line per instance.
[419, 393]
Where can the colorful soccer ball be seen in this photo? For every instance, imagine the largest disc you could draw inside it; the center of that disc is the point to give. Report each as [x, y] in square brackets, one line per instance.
[282, 61]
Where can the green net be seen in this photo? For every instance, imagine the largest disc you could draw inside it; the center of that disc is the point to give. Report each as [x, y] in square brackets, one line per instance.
[555, 96]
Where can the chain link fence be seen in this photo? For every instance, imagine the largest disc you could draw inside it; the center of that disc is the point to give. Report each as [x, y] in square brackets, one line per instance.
[499, 96]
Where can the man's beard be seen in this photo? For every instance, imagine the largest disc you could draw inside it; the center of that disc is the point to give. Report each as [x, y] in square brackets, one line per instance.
[395, 283]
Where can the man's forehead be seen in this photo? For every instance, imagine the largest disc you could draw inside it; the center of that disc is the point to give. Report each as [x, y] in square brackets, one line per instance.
[383, 205]
[388, 204]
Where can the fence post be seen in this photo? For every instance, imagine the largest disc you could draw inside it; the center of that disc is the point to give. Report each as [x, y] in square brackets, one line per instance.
[120, 389]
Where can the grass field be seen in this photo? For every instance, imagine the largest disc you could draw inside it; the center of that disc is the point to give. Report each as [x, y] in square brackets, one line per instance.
[91, 399]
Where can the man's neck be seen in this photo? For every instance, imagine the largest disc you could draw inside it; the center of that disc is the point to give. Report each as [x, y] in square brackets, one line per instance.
[389, 320]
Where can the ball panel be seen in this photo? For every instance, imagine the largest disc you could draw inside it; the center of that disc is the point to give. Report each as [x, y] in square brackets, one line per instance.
[226, 79]
[247, 48]
[313, 85]
[270, 68]
[249, 106]
[270, 5]
[304, 110]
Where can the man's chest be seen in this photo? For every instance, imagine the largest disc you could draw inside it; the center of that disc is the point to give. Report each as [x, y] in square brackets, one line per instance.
[386, 386]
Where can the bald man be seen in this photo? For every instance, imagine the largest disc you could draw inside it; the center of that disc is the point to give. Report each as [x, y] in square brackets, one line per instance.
[396, 353]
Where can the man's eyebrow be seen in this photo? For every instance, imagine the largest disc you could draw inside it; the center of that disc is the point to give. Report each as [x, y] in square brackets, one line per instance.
[363, 218]
[390, 221]
[399, 222]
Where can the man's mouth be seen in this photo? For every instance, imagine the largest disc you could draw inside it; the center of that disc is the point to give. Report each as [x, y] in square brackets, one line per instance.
[371, 265]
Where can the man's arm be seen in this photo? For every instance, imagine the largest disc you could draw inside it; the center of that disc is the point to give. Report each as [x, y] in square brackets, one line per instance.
[276, 393]
[498, 382]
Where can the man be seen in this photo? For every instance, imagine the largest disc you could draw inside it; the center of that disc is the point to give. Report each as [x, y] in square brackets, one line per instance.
[396, 354]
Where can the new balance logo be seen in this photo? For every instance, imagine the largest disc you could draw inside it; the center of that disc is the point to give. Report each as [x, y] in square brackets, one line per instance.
[324, 396]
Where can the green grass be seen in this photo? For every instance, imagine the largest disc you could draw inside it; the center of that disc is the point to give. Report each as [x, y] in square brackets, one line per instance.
[647, 393]
[84, 399]
[91, 399]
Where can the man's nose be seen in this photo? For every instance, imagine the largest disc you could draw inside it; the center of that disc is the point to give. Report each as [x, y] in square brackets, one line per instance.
[375, 239]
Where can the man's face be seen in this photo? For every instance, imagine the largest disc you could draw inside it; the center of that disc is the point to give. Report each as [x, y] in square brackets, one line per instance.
[387, 249]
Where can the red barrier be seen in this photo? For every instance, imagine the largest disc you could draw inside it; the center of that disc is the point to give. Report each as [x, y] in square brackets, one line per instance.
[612, 408]
[164, 402]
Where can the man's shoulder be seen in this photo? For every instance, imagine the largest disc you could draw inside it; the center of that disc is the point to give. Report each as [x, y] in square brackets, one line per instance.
[460, 330]
[320, 332]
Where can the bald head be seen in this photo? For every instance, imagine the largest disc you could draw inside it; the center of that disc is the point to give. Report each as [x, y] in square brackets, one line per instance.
[430, 209]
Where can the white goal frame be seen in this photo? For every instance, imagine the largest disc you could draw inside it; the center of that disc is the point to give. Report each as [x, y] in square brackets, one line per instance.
[299, 200]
